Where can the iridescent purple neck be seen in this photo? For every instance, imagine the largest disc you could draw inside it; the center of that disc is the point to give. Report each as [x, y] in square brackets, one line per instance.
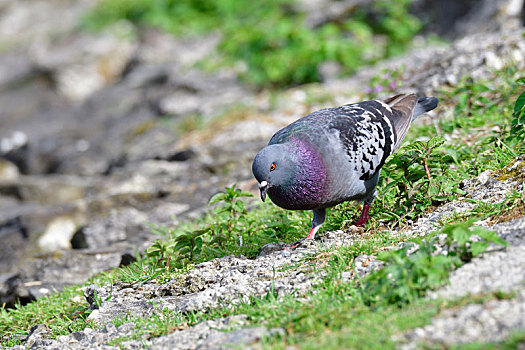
[306, 189]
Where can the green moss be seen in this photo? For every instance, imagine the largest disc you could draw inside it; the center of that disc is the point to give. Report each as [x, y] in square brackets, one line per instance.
[515, 171]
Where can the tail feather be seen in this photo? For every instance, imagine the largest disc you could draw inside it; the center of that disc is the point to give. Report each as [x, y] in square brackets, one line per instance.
[424, 104]
[401, 116]
[406, 108]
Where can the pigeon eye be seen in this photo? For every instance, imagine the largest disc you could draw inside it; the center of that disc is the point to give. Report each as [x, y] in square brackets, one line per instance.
[272, 167]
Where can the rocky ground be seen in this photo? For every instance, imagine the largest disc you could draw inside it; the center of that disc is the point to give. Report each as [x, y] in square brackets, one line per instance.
[93, 149]
[231, 280]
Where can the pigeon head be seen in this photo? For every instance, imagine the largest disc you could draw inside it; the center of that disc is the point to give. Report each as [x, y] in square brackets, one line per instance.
[292, 174]
[273, 167]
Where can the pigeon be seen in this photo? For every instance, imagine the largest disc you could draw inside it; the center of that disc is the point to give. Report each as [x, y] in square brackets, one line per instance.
[335, 155]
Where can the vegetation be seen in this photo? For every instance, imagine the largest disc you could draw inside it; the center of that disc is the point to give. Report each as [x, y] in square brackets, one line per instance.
[271, 43]
[363, 312]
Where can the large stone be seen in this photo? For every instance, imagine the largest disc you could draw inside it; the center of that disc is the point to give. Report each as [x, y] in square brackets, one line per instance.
[8, 171]
[27, 21]
[82, 64]
[58, 234]
[15, 237]
[48, 189]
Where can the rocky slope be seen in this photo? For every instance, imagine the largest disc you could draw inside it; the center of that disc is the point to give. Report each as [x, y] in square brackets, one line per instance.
[90, 153]
[231, 280]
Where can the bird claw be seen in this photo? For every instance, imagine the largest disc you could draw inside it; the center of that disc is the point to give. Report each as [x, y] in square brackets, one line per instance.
[299, 243]
[295, 245]
[360, 223]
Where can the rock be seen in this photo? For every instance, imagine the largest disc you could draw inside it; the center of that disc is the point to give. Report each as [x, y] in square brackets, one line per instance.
[14, 148]
[159, 47]
[79, 241]
[58, 234]
[214, 335]
[124, 224]
[271, 248]
[38, 335]
[453, 18]
[17, 140]
[50, 273]
[196, 92]
[14, 233]
[179, 104]
[8, 171]
[22, 22]
[497, 270]
[492, 321]
[127, 258]
[364, 264]
[500, 270]
[12, 291]
[82, 64]
[50, 189]
[330, 70]
[167, 212]
[181, 156]
[147, 75]
[93, 296]
[14, 67]
[240, 337]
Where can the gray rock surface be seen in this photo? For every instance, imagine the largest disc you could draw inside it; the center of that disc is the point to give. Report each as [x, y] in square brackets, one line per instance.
[214, 334]
[491, 321]
[494, 320]
[494, 271]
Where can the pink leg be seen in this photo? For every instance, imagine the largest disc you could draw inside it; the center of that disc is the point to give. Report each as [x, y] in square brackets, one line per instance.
[364, 216]
[312, 233]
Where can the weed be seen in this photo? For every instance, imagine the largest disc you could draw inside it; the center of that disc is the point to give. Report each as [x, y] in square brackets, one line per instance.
[228, 229]
[229, 213]
[517, 131]
[408, 275]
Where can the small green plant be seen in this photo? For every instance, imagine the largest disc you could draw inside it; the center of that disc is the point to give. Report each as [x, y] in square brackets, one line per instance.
[228, 229]
[230, 212]
[419, 266]
[517, 131]
[466, 241]
[414, 179]
[186, 244]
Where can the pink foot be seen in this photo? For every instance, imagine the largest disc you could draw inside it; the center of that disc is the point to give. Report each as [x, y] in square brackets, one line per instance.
[293, 246]
[364, 216]
[311, 235]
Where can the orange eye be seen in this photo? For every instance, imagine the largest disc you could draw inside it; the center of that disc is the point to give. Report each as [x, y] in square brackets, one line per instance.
[272, 167]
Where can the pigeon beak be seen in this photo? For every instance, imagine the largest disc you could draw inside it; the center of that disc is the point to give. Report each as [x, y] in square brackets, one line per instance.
[263, 187]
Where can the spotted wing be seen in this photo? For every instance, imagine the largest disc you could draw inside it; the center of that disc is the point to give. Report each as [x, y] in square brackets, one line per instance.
[370, 131]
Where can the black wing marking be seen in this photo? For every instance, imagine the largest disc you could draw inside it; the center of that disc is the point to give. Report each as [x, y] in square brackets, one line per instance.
[367, 135]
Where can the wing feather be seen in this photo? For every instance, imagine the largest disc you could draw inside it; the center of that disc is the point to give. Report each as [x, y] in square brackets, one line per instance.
[369, 131]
